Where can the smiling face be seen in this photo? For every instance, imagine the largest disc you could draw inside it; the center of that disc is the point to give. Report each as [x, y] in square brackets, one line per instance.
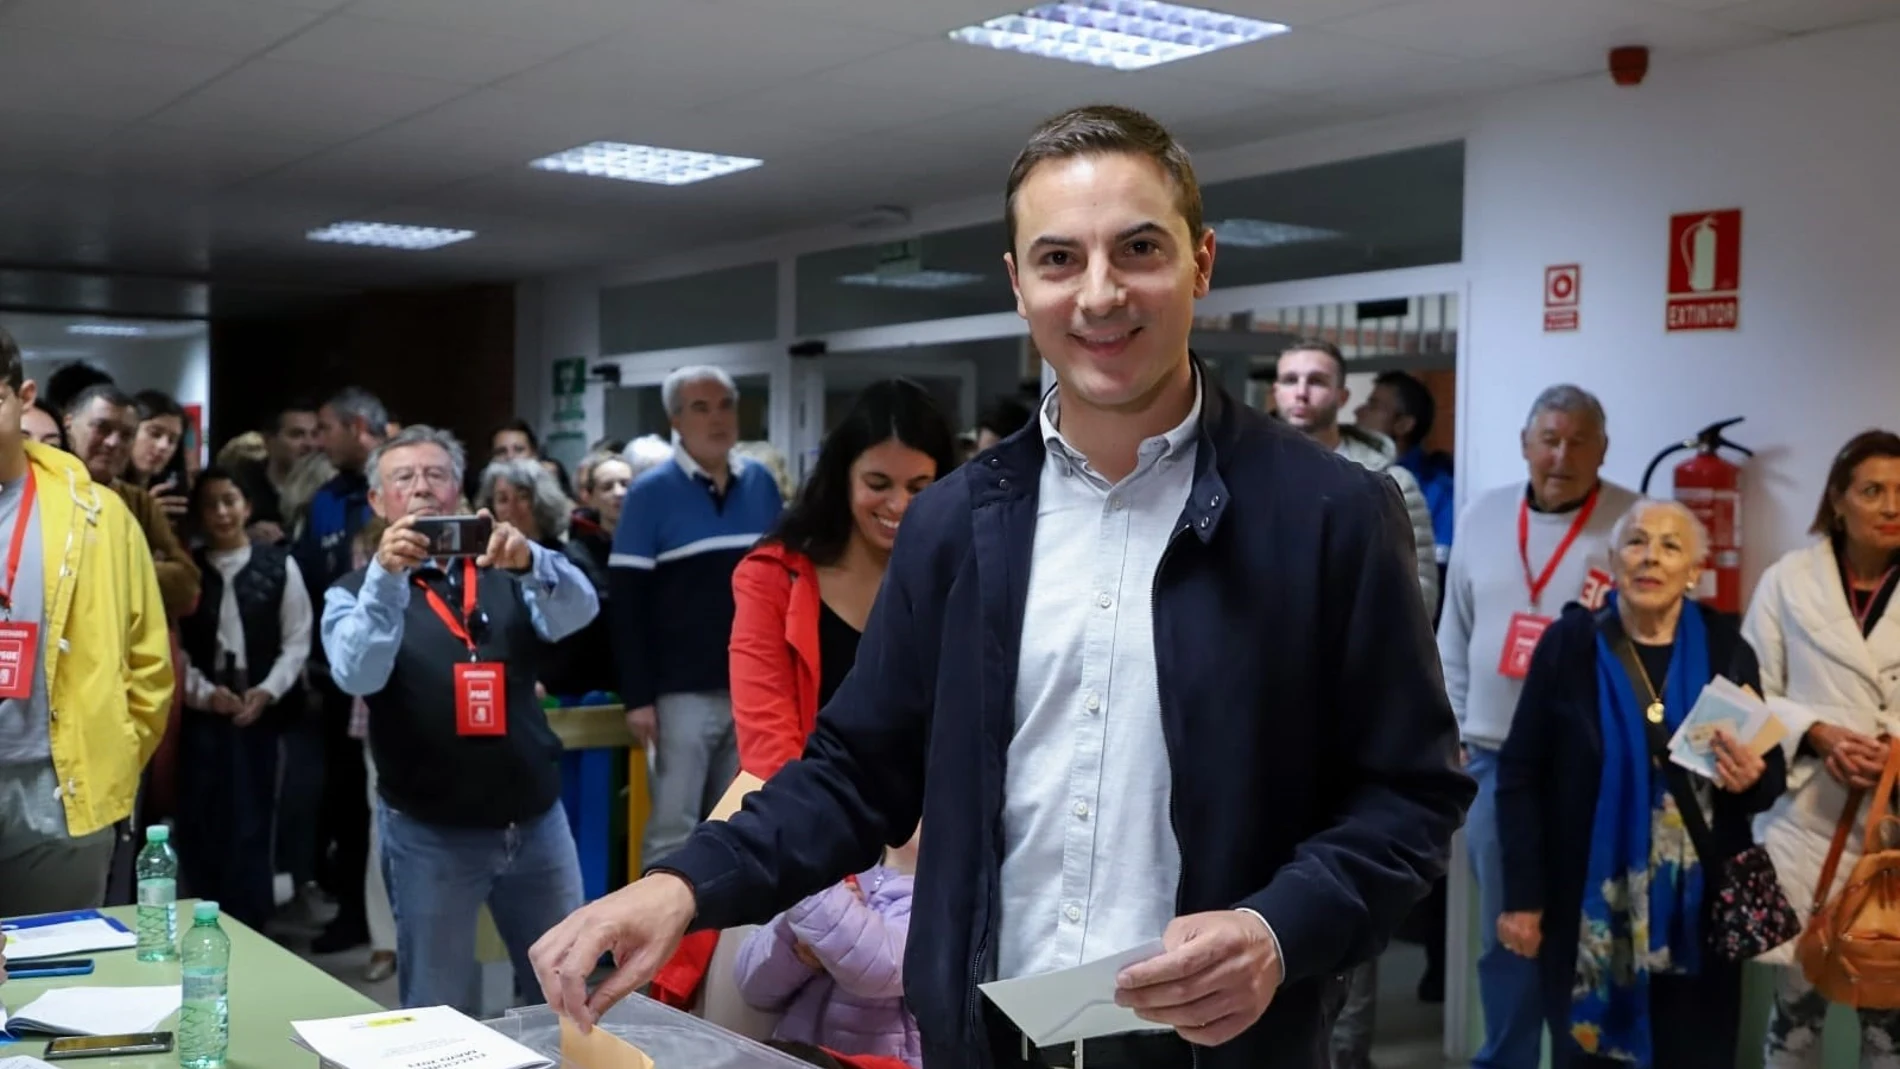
[101, 434]
[223, 511]
[1106, 273]
[1658, 559]
[884, 480]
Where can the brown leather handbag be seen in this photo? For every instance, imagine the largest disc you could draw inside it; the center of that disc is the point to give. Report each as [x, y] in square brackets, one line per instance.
[1850, 950]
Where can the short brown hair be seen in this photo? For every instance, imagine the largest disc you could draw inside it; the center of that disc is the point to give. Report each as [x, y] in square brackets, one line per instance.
[1318, 345]
[1867, 445]
[12, 362]
[1102, 129]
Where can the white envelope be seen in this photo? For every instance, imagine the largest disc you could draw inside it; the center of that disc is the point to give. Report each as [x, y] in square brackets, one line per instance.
[1072, 1004]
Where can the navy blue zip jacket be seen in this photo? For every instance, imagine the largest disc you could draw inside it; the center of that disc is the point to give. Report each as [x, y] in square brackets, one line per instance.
[1313, 750]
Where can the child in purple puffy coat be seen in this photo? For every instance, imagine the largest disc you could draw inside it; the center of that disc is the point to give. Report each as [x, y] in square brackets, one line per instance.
[833, 965]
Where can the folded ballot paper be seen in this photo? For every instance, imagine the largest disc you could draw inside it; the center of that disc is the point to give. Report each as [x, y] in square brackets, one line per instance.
[1724, 705]
[428, 1038]
[1072, 1004]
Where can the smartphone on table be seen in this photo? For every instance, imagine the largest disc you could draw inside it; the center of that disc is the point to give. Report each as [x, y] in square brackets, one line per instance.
[107, 1046]
[48, 967]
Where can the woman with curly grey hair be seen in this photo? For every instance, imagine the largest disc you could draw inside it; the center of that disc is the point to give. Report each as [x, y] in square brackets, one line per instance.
[523, 493]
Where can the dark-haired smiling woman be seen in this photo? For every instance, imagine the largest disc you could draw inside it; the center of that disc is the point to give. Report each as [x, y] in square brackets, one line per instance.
[801, 598]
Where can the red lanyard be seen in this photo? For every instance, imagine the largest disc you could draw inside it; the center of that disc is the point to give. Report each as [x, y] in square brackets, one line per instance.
[458, 628]
[1538, 584]
[20, 520]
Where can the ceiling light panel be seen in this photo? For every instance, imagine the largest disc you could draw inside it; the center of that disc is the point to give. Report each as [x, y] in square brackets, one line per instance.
[1126, 35]
[1264, 234]
[644, 163]
[389, 235]
[107, 330]
[913, 280]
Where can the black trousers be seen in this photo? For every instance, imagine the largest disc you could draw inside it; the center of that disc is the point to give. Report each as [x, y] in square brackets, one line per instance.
[226, 812]
[343, 821]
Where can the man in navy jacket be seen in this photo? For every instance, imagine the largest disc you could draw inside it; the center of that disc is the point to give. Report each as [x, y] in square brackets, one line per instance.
[1155, 666]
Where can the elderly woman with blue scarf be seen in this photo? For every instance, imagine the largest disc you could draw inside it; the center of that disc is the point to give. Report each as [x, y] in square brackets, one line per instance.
[1602, 883]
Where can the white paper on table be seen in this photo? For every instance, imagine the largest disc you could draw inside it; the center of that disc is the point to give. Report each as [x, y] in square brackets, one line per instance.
[1722, 704]
[1072, 1004]
[97, 1011]
[22, 1063]
[71, 937]
[412, 1039]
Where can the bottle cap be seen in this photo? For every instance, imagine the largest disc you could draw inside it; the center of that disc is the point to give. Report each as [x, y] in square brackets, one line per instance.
[158, 833]
[204, 912]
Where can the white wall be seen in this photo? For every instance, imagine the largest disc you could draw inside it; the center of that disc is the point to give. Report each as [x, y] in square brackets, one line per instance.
[1800, 135]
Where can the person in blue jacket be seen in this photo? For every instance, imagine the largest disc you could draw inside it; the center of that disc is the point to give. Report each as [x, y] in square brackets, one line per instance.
[1154, 667]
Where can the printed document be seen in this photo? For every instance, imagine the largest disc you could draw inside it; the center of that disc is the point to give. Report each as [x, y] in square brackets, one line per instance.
[428, 1038]
[95, 1011]
[58, 935]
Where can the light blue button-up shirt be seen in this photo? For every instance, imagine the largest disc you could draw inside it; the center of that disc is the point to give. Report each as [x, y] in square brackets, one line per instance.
[362, 631]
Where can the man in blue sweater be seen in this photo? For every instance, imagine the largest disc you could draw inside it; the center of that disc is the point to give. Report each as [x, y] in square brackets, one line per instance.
[683, 528]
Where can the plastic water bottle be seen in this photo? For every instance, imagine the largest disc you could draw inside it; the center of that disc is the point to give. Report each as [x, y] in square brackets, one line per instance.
[204, 1022]
[158, 896]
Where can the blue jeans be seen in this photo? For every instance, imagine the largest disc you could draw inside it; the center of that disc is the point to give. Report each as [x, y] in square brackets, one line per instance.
[528, 873]
[1508, 986]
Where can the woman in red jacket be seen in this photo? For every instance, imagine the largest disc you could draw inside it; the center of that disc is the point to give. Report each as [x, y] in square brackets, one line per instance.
[801, 598]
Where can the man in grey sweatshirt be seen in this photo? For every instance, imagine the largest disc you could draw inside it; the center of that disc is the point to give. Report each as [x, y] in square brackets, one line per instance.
[1522, 552]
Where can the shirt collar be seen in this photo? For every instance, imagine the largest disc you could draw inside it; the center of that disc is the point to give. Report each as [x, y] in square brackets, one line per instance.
[734, 462]
[1171, 444]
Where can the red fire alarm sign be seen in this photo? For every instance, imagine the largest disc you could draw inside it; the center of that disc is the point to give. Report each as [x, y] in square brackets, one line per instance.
[1563, 296]
[1705, 270]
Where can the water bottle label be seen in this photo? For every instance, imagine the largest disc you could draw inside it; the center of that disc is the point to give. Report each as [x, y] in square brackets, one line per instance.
[203, 985]
[158, 892]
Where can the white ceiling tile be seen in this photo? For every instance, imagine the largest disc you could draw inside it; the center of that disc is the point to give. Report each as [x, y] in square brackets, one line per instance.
[34, 139]
[234, 26]
[450, 54]
[270, 96]
[97, 78]
[951, 70]
[933, 19]
[1698, 5]
[1432, 85]
[1298, 13]
[698, 47]
[830, 106]
[189, 158]
[1803, 16]
[1666, 34]
[569, 21]
[1301, 62]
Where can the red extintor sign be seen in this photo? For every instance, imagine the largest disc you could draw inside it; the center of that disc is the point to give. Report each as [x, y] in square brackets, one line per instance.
[1563, 296]
[1705, 270]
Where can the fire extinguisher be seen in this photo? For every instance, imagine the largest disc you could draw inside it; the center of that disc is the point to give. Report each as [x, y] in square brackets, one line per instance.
[1711, 487]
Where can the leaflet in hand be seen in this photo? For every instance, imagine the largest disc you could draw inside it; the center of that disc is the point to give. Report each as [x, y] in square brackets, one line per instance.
[413, 1039]
[1724, 706]
[1072, 1004]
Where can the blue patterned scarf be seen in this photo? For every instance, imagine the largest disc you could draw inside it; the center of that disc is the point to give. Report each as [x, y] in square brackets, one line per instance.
[1642, 892]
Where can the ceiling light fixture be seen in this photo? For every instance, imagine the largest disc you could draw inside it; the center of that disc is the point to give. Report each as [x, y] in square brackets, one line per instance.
[389, 235]
[1262, 234]
[107, 330]
[644, 163]
[913, 280]
[1127, 35]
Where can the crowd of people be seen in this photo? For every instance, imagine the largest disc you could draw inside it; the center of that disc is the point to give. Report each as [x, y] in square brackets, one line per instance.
[1149, 662]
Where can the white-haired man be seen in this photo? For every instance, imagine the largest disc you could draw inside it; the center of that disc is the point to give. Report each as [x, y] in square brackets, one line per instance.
[683, 528]
[1523, 551]
[446, 652]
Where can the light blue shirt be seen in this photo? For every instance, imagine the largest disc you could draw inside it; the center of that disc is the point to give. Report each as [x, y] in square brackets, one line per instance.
[362, 631]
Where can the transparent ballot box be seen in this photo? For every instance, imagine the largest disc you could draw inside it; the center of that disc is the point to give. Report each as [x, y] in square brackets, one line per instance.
[674, 1040]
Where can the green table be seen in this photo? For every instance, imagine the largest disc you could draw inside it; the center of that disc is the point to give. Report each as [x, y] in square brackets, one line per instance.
[270, 987]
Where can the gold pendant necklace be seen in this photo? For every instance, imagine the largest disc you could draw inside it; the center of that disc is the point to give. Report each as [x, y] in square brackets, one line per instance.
[1655, 711]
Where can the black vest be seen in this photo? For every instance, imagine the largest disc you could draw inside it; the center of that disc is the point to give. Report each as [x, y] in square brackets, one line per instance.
[423, 767]
[259, 586]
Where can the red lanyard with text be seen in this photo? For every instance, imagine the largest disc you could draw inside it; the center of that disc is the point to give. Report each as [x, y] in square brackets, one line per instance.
[1541, 581]
[18, 543]
[458, 628]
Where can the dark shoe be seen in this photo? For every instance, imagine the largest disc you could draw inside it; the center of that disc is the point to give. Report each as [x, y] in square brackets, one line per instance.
[1431, 988]
[339, 937]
